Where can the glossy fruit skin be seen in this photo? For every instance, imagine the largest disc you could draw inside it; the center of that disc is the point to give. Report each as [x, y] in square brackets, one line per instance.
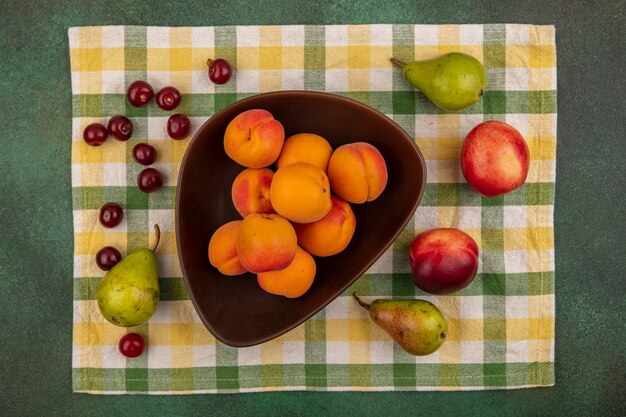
[95, 134]
[111, 214]
[178, 126]
[107, 258]
[495, 158]
[139, 93]
[220, 71]
[443, 261]
[168, 98]
[144, 154]
[149, 180]
[120, 127]
[132, 345]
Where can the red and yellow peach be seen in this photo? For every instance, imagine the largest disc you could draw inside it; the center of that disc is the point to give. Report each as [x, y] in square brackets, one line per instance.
[494, 158]
[443, 260]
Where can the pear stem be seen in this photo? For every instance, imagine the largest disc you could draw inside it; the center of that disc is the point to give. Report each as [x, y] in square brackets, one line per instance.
[397, 62]
[360, 301]
[209, 62]
[157, 231]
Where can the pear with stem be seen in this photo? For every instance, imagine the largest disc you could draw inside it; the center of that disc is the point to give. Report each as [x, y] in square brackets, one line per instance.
[417, 326]
[452, 81]
[129, 293]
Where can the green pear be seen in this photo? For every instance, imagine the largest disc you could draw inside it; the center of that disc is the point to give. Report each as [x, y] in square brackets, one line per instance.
[129, 293]
[452, 81]
[417, 326]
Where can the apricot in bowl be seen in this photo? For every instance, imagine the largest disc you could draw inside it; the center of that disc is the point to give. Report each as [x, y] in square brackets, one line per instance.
[235, 309]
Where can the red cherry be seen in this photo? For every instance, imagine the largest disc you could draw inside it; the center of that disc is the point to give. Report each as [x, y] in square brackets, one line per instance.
[95, 134]
[220, 70]
[149, 180]
[178, 126]
[168, 98]
[132, 345]
[108, 257]
[111, 214]
[144, 154]
[120, 127]
[139, 93]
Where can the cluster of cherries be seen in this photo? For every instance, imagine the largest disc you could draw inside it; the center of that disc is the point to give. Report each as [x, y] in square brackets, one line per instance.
[139, 93]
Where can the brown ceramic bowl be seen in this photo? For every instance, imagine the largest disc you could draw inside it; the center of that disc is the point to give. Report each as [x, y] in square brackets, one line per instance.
[235, 309]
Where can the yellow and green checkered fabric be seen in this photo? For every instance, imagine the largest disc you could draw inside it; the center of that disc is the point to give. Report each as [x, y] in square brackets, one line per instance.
[501, 327]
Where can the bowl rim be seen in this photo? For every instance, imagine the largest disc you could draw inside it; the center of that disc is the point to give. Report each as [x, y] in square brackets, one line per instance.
[362, 270]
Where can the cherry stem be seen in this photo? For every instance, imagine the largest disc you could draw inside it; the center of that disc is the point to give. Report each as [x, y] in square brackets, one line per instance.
[360, 301]
[397, 62]
[157, 231]
[209, 62]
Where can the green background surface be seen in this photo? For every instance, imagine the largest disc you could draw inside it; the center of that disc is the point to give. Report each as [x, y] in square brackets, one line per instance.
[36, 214]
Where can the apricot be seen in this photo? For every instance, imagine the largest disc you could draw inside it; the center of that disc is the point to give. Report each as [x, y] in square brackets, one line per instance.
[223, 249]
[357, 172]
[254, 138]
[305, 147]
[300, 192]
[251, 191]
[292, 281]
[266, 242]
[332, 233]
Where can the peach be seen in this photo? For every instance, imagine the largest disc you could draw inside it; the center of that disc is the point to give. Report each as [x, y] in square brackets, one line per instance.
[300, 192]
[254, 138]
[223, 249]
[331, 234]
[266, 242]
[357, 172]
[305, 147]
[443, 260]
[251, 191]
[494, 158]
[292, 281]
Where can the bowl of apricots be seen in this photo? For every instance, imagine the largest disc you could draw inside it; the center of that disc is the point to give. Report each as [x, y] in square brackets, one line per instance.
[284, 200]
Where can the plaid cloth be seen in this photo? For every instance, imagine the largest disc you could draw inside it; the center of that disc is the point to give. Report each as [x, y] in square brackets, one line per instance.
[501, 327]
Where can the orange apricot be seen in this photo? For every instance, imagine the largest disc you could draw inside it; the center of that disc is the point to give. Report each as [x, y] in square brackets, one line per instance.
[251, 191]
[223, 249]
[332, 233]
[266, 242]
[294, 280]
[301, 193]
[357, 172]
[254, 138]
[305, 147]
